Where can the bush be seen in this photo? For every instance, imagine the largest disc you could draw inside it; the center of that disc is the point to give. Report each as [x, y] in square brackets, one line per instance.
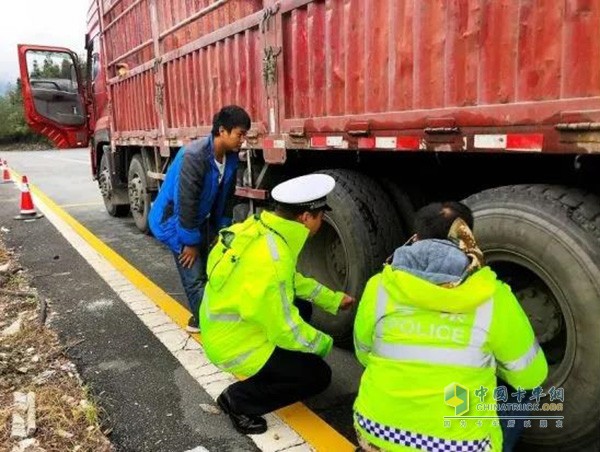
[13, 128]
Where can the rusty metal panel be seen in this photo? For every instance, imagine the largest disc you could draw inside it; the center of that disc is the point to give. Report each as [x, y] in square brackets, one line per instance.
[390, 64]
[200, 82]
[430, 37]
[335, 60]
[462, 62]
[581, 36]
[402, 53]
[399, 64]
[354, 34]
[195, 79]
[316, 52]
[499, 38]
[127, 33]
[377, 48]
[173, 13]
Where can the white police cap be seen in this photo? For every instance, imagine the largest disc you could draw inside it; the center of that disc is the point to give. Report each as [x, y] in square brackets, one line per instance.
[308, 191]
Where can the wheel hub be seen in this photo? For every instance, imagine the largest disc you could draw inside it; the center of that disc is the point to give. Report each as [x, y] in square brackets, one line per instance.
[136, 198]
[543, 313]
[104, 183]
[539, 297]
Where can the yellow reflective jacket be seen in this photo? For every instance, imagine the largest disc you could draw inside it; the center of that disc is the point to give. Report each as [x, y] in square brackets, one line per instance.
[248, 309]
[427, 348]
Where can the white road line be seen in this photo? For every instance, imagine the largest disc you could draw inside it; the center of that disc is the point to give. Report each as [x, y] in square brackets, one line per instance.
[279, 436]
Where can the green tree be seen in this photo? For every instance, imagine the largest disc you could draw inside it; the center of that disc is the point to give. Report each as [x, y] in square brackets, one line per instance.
[49, 68]
[13, 127]
[82, 65]
[36, 72]
[65, 69]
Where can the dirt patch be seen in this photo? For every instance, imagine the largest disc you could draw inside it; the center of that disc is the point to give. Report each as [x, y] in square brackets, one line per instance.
[41, 146]
[33, 360]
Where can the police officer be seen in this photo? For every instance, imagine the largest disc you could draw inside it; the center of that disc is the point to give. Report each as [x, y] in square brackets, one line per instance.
[434, 318]
[250, 319]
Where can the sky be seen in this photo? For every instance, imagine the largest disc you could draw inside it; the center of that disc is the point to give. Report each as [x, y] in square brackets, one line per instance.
[47, 22]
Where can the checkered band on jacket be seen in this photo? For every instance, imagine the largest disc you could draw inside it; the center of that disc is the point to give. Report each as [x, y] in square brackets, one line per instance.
[419, 441]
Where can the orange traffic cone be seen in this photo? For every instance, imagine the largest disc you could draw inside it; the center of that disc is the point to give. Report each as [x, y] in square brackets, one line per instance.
[27, 208]
[5, 173]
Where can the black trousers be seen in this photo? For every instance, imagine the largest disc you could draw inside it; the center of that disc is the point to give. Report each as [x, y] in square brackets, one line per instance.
[287, 377]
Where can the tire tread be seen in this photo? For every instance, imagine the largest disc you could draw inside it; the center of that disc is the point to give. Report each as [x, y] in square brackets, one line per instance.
[581, 206]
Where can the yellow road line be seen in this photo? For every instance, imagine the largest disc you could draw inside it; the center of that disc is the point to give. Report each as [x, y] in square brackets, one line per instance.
[311, 427]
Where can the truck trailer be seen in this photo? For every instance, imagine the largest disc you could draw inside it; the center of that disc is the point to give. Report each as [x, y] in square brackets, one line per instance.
[403, 102]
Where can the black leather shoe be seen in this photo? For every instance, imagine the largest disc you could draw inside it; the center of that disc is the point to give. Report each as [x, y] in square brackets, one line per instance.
[248, 425]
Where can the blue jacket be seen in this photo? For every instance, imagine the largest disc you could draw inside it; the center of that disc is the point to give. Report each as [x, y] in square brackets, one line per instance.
[191, 203]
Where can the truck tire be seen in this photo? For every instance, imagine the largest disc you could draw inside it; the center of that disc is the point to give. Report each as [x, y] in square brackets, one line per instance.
[356, 237]
[404, 206]
[544, 241]
[139, 196]
[106, 189]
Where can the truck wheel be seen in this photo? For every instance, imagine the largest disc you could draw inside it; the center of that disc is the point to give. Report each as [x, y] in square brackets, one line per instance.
[106, 188]
[139, 197]
[355, 239]
[404, 206]
[544, 241]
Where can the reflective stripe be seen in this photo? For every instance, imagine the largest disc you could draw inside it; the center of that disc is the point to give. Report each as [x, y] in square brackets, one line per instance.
[272, 247]
[224, 317]
[382, 297]
[522, 362]
[235, 361]
[312, 346]
[288, 318]
[472, 355]
[468, 357]
[361, 346]
[481, 325]
[315, 292]
[316, 342]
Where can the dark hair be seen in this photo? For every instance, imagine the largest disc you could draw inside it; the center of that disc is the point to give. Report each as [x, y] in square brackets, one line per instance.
[434, 220]
[229, 118]
[290, 212]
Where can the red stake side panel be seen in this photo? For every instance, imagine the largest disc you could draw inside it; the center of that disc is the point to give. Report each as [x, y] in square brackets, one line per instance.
[225, 72]
[394, 69]
[180, 70]
[401, 65]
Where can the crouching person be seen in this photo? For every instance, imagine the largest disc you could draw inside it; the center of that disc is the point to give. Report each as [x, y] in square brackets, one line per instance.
[250, 318]
[435, 321]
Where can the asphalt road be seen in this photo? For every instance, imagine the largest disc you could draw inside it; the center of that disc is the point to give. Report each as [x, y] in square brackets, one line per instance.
[65, 176]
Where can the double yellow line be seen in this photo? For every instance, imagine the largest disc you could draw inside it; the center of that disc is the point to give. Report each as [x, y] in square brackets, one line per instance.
[315, 431]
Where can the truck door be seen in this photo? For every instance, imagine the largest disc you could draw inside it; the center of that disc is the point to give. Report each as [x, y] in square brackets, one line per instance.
[53, 95]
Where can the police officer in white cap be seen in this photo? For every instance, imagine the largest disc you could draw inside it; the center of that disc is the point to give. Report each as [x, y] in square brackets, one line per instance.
[250, 320]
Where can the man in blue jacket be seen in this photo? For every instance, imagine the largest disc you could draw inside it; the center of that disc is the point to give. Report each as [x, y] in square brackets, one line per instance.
[196, 200]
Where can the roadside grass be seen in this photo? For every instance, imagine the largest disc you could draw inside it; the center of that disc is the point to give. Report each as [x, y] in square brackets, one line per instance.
[33, 359]
[40, 145]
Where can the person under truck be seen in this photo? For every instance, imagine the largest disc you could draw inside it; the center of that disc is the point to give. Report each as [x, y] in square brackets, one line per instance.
[256, 306]
[196, 200]
[435, 326]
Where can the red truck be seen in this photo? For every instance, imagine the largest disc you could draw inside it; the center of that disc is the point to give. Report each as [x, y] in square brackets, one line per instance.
[403, 102]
